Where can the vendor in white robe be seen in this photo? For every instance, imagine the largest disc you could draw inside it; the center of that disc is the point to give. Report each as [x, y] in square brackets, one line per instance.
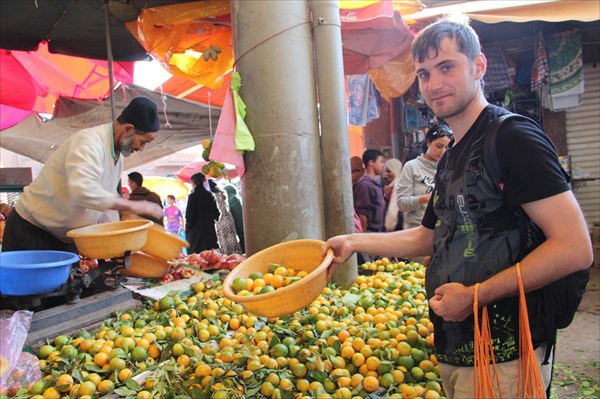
[78, 184]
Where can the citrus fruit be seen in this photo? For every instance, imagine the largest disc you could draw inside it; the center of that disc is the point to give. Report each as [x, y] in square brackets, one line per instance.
[87, 388]
[51, 393]
[255, 275]
[36, 388]
[64, 383]
[139, 354]
[370, 383]
[266, 289]
[60, 341]
[45, 351]
[238, 284]
[117, 363]
[105, 386]
[165, 303]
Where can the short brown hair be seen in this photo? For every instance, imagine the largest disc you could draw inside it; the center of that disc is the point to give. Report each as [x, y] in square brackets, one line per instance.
[456, 28]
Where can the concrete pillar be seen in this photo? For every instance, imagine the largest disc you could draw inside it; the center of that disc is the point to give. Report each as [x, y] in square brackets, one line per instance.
[335, 153]
[282, 188]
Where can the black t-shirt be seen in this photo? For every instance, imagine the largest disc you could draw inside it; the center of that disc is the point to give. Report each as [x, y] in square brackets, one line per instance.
[476, 233]
[530, 167]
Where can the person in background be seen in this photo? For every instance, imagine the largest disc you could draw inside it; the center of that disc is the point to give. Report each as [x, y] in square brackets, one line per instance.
[78, 183]
[470, 228]
[393, 216]
[141, 193]
[226, 233]
[173, 217]
[235, 207]
[368, 193]
[357, 169]
[417, 179]
[200, 216]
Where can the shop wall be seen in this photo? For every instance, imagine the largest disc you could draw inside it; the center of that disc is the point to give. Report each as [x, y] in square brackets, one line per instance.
[377, 133]
[583, 141]
[556, 128]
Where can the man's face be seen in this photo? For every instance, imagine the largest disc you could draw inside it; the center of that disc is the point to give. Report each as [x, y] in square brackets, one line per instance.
[378, 165]
[449, 81]
[132, 142]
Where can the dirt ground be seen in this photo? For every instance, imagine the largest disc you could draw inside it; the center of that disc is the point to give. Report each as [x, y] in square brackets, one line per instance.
[577, 365]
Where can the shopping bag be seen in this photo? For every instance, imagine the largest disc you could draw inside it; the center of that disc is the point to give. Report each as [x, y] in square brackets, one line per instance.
[529, 381]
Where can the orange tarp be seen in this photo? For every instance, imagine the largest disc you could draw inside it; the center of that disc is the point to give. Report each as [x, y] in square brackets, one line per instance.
[178, 35]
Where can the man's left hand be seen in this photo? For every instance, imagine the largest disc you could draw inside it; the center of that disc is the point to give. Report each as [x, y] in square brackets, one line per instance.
[453, 302]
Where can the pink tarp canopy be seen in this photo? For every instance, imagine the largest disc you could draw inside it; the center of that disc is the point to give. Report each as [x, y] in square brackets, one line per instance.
[32, 81]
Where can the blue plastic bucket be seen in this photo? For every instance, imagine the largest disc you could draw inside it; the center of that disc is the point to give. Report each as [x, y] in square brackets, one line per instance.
[34, 272]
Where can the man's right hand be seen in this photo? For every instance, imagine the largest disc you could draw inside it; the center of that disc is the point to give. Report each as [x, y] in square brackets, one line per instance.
[342, 249]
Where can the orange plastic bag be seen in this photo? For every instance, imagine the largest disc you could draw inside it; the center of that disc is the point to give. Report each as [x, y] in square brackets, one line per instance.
[529, 381]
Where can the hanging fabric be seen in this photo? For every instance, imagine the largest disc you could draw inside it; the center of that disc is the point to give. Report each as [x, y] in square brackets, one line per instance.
[363, 103]
[496, 77]
[566, 70]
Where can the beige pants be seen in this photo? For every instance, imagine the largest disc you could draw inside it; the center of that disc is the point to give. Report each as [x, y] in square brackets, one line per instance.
[458, 381]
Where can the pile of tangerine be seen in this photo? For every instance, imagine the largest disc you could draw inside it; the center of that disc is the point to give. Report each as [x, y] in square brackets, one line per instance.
[256, 283]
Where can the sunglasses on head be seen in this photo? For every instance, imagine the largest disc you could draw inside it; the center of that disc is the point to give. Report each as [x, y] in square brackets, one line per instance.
[441, 133]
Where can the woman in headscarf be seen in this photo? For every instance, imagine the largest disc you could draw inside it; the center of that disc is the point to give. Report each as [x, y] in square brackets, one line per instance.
[235, 207]
[393, 216]
[226, 233]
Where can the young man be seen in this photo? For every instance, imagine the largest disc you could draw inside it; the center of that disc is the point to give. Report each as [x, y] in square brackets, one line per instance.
[466, 225]
[368, 193]
[78, 183]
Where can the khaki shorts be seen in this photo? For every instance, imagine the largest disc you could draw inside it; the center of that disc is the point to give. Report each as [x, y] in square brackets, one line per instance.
[458, 381]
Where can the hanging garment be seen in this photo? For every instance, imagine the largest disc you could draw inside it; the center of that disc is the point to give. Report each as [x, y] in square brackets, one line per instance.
[363, 103]
[496, 77]
[540, 70]
[566, 70]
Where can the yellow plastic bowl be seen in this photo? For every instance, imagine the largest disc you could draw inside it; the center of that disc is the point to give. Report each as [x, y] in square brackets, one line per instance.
[145, 266]
[110, 240]
[163, 245]
[298, 255]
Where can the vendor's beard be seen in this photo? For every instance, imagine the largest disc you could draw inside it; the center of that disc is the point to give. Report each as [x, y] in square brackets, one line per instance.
[126, 146]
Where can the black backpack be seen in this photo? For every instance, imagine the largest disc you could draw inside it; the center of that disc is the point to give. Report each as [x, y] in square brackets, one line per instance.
[561, 298]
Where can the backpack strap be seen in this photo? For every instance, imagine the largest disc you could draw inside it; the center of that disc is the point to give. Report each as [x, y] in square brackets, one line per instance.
[531, 235]
[490, 151]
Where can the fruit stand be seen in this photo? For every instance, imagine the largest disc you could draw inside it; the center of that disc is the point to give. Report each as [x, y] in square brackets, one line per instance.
[373, 340]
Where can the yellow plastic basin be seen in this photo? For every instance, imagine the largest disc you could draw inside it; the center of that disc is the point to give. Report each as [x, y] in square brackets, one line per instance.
[299, 255]
[146, 266]
[110, 240]
[162, 244]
